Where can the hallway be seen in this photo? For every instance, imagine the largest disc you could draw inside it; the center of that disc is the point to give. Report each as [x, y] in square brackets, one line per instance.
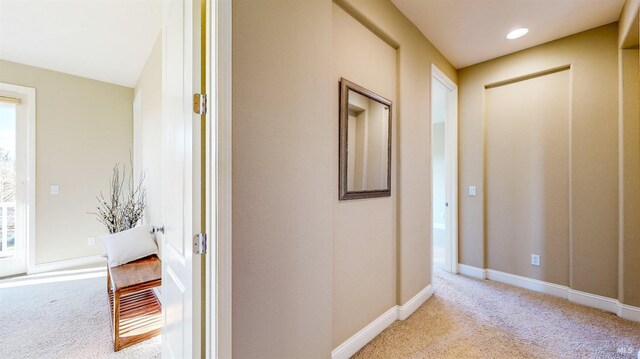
[469, 318]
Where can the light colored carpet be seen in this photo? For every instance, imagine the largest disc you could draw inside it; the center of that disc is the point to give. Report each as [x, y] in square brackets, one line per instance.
[61, 315]
[468, 318]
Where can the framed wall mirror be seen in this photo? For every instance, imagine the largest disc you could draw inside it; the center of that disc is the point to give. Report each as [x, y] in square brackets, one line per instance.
[365, 143]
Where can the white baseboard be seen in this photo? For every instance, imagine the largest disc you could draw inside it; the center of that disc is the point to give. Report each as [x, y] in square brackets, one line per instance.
[405, 310]
[629, 312]
[66, 264]
[594, 301]
[471, 271]
[366, 334]
[528, 283]
[576, 296]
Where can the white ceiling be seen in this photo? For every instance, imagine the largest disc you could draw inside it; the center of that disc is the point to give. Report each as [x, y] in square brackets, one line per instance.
[106, 40]
[468, 32]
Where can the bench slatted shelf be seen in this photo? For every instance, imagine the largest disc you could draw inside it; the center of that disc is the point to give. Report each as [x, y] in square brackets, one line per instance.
[136, 312]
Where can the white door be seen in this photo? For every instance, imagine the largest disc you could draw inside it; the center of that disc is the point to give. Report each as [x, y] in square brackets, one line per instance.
[444, 169]
[17, 120]
[180, 297]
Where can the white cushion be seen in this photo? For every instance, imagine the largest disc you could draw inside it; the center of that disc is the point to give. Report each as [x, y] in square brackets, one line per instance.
[127, 246]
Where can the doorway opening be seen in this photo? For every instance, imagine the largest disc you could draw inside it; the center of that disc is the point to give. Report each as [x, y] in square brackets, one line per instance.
[444, 171]
[16, 178]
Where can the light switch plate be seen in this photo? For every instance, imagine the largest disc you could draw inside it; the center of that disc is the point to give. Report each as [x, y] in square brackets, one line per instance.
[91, 241]
[55, 189]
[535, 259]
[472, 191]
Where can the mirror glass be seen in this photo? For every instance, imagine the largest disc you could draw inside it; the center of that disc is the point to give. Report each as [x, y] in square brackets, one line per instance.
[367, 143]
[365, 147]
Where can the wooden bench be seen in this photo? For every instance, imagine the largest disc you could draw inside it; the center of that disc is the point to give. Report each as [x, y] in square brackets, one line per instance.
[136, 312]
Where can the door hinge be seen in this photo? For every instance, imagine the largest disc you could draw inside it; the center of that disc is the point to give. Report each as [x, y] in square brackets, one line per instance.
[200, 243]
[200, 103]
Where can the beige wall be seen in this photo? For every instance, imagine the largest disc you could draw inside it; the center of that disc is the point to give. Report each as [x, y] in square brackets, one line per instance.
[415, 55]
[83, 128]
[364, 249]
[593, 153]
[527, 172]
[282, 178]
[628, 33]
[285, 179]
[630, 175]
[364, 231]
[149, 87]
[629, 291]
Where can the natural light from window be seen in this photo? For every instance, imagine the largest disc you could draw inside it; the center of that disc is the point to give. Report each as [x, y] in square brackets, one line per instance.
[54, 277]
[7, 179]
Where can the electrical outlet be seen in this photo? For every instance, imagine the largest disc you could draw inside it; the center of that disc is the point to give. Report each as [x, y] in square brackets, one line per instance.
[472, 191]
[91, 241]
[54, 189]
[535, 259]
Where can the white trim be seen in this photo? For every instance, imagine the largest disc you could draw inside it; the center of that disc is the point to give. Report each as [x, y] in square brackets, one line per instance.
[593, 300]
[587, 299]
[405, 310]
[69, 263]
[158, 293]
[365, 335]
[451, 167]
[442, 77]
[219, 181]
[373, 329]
[629, 312]
[30, 192]
[471, 271]
[528, 283]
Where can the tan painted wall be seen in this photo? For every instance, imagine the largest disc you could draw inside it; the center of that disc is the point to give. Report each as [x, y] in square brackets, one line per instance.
[364, 247]
[628, 33]
[282, 178]
[285, 177]
[83, 127]
[412, 181]
[364, 231]
[630, 178]
[594, 151]
[149, 86]
[527, 164]
[629, 291]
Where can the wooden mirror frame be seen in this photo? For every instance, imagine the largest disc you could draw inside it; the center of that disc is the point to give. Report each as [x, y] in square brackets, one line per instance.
[345, 194]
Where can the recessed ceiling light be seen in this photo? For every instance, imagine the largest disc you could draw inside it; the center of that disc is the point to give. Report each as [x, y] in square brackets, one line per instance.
[517, 33]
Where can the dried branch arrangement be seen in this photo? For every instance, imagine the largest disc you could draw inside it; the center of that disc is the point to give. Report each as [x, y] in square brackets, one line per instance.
[123, 208]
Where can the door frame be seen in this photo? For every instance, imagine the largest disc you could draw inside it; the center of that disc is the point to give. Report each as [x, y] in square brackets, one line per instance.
[219, 171]
[138, 136]
[28, 95]
[451, 166]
